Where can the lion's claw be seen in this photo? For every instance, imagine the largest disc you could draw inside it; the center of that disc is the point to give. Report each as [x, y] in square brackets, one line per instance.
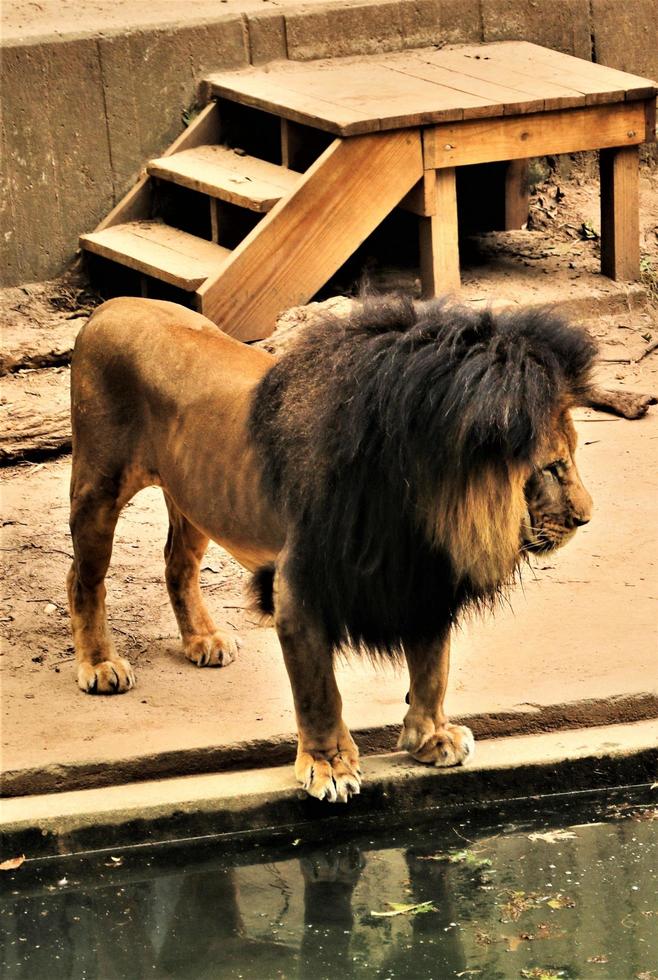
[447, 746]
[334, 781]
[107, 677]
[217, 649]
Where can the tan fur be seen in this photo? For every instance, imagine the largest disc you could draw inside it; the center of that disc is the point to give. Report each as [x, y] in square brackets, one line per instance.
[161, 397]
[478, 523]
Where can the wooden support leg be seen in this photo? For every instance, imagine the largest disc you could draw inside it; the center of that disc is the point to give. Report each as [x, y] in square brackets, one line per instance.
[516, 194]
[214, 220]
[439, 239]
[620, 215]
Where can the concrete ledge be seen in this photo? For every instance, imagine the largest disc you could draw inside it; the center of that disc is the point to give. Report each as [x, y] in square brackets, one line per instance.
[279, 750]
[265, 803]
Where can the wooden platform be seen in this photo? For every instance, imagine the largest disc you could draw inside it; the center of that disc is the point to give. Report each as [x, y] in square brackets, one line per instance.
[275, 185]
[420, 87]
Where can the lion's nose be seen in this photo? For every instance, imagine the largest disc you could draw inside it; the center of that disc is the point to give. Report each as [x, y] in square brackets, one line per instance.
[580, 519]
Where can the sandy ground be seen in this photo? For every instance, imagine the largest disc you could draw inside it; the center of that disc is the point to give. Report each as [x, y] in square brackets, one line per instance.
[582, 628]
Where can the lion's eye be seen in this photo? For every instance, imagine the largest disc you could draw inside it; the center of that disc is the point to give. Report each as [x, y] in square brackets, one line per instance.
[556, 468]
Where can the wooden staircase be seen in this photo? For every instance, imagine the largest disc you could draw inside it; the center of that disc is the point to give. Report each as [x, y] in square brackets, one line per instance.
[247, 214]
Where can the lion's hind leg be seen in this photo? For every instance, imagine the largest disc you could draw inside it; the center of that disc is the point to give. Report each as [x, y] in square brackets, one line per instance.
[203, 644]
[426, 732]
[95, 510]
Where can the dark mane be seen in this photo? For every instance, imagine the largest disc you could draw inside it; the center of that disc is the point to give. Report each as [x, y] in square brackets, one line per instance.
[369, 428]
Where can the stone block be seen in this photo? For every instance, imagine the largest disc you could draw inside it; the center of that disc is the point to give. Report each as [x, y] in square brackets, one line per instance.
[57, 167]
[344, 29]
[425, 22]
[560, 24]
[626, 35]
[267, 38]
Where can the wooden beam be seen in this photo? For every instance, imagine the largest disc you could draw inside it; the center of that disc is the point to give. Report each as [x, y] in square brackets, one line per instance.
[516, 194]
[439, 239]
[307, 236]
[421, 199]
[620, 225]
[536, 134]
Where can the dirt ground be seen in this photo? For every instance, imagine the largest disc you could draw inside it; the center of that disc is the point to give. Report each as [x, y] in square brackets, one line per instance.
[578, 639]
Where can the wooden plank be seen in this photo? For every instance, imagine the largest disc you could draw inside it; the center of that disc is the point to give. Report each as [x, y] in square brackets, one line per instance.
[552, 95]
[276, 92]
[137, 203]
[159, 250]
[421, 199]
[516, 194]
[620, 228]
[552, 66]
[379, 90]
[493, 96]
[597, 82]
[306, 237]
[221, 172]
[516, 137]
[439, 239]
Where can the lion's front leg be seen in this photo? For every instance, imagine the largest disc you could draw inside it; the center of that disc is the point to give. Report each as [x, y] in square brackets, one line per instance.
[426, 732]
[327, 763]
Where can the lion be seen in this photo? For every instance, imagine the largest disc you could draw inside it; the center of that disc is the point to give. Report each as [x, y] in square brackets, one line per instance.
[388, 473]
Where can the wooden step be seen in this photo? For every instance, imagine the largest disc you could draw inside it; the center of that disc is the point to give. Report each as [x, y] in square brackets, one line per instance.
[159, 250]
[300, 244]
[221, 172]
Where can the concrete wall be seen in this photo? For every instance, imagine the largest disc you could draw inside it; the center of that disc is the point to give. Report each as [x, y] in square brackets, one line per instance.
[81, 114]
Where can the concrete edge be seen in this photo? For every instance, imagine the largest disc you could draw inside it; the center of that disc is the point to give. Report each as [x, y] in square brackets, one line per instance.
[279, 750]
[264, 803]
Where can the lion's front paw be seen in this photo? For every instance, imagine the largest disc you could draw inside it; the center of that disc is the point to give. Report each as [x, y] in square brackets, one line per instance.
[446, 746]
[334, 780]
[216, 649]
[108, 677]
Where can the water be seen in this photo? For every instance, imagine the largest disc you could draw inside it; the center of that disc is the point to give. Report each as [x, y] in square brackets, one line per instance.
[580, 903]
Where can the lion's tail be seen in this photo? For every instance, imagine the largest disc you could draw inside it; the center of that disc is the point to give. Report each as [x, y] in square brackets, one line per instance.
[261, 589]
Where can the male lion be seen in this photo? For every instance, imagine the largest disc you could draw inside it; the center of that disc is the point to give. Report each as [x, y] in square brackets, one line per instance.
[386, 473]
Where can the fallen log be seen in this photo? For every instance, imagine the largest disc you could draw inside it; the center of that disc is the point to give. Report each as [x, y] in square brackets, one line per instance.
[35, 415]
[26, 344]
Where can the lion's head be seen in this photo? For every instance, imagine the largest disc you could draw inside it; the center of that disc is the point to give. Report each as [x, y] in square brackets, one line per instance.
[557, 502]
[416, 453]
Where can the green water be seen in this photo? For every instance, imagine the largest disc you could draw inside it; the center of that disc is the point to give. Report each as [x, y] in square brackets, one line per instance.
[582, 903]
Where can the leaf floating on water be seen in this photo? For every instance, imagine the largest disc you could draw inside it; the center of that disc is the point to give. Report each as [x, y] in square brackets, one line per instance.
[553, 836]
[601, 958]
[114, 862]
[542, 973]
[396, 908]
[517, 903]
[12, 863]
[468, 973]
[469, 858]
[561, 901]
[647, 975]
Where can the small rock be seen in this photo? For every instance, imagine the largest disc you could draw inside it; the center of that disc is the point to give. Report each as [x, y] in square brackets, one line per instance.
[50, 607]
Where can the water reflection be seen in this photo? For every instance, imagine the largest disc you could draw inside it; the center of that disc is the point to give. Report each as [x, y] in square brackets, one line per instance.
[586, 900]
